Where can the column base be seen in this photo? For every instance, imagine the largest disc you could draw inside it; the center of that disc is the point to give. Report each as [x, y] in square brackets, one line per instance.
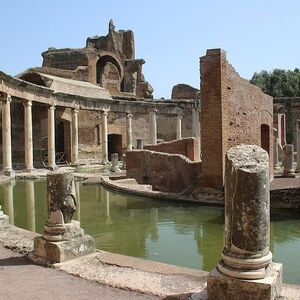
[29, 170]
[57, 245]
[52, 168]
[9, 172]
[277, 167]
[223, 287]
[290, 174]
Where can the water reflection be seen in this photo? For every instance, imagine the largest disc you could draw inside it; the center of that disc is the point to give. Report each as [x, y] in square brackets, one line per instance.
[170, 232]
[30, 205]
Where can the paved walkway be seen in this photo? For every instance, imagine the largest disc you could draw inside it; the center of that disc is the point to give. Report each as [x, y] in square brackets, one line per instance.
[19, 279]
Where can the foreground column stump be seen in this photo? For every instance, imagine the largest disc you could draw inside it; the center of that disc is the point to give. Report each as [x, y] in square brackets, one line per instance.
[63, 239]
[246, 270]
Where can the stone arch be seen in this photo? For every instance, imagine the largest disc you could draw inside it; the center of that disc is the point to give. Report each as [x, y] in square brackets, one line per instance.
[35, 78]
[114, 145]
[109, 73]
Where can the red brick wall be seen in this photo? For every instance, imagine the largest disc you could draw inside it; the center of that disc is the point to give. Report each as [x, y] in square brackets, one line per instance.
[188, 147]
[232, 112]
[214, 123]
[165, 172]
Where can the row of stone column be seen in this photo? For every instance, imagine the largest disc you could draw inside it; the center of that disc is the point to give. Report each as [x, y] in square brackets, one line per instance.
[28, 136]
[153, 126]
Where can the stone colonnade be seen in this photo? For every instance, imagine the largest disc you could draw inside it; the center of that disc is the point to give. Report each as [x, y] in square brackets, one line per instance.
[28, 133]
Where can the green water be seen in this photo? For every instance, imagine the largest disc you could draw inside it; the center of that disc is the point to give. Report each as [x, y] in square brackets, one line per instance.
[171, 232]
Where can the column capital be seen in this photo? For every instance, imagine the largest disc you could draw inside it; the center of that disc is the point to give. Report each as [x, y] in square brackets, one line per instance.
[104, 112]
[179, 116]
[52, 107]
[27, 103]
[75, 110]
[6, 97]
[153, 110]
[129, 115]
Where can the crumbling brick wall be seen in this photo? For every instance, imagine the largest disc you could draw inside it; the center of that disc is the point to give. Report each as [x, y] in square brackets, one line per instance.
[172, 173]
[189, 147]
[233, 112]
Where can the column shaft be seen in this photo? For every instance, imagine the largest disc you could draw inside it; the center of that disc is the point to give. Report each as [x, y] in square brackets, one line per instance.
[28, 136]
[129, 131]
[51, 138]
[104, 138]
[178, 127]
[74, 158]
[152, 127]
[6, 135]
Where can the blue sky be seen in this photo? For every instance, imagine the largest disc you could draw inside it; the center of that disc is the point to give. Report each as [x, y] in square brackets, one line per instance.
[170, 35]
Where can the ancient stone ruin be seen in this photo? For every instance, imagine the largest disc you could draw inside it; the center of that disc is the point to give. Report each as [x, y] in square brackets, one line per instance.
[63, 238]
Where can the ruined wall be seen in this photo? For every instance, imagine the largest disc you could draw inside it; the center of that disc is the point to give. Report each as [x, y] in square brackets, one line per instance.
[184, 91]
[68, 59]
[189, 147]
[232, 112]
[172, 173]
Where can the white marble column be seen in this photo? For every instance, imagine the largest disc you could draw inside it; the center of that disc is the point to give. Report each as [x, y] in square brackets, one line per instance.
[28, 138]
[178, 127]
[104, 138]
[30, 205]
[276, 150]
[152, 127]
[51, 138]
[196, 123]
[298, 145]
[129, 131]
[6, 136]
[74, 158]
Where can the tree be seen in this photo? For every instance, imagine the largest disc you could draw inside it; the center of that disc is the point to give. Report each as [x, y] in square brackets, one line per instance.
[279, 82]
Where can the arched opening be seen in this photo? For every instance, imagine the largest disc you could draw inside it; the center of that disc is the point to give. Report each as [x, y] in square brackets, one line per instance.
[62, 142]
[108, 73]
[114, 145]
[265, 137]
[33, 78]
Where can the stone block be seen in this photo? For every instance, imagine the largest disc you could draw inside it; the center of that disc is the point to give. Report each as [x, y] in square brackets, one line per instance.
[57, 252]
[223, 287]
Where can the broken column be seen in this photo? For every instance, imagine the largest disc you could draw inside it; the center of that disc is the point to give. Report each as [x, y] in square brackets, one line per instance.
[63, 239]
[114, 163]
[288, 161]
[139, 144]
[246, 269]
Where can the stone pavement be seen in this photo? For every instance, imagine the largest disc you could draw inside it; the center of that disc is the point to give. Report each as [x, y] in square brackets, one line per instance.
[19, 279]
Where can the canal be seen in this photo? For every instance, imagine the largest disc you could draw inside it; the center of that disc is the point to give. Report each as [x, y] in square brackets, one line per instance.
[178, 233]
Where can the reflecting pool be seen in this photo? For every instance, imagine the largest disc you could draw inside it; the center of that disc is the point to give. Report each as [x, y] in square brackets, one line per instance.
[178, 233]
